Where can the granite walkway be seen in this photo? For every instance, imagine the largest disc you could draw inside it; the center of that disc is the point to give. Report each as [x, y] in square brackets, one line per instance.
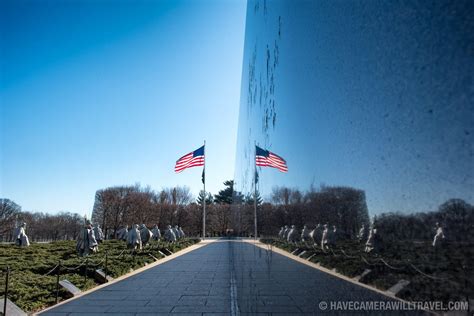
[226, 277]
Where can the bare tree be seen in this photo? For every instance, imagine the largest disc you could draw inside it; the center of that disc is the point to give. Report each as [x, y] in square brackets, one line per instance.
[9, 211]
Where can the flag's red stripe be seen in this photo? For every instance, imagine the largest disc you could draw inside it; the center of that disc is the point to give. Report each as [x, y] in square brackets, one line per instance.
[273, 161]
[193, 162]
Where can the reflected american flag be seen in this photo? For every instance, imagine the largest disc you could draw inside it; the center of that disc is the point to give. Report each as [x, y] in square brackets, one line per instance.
[265, 158]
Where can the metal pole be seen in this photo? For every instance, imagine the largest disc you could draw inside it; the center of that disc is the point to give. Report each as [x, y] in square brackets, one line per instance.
[57, 281]
[85, 273]
[255, 193]
[105, 268]
[204, 202]
[6, 292]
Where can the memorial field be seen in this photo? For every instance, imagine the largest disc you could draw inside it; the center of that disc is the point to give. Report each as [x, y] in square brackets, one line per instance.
[34, 270]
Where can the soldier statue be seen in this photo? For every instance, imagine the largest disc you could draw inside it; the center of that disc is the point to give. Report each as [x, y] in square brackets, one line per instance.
[170, 236]
[280, 233]
[134, 240]
[86, 242]
[21, 239]
[156, 233]
[325, 238]
[99, 234]
[305, 234]
[122, 233]
[371, 243]
[317, 234]
[176, 232]
[285, 233]
[362, 233]
[439, 236]
[293, 234]
[145, 235]
[332, 238]
[181, 232]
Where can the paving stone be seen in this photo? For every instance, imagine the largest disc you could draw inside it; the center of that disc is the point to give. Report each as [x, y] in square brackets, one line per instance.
[201, 283]
[12, 309]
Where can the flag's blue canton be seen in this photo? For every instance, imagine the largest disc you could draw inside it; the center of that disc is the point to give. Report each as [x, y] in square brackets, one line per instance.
[262, 152]
[198, 152]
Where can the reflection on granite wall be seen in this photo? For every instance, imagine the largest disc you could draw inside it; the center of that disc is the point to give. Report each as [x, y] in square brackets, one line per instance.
[372, 95]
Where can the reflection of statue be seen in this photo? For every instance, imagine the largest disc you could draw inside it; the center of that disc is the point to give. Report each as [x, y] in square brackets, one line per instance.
[285, 233]
[156, 233]
[122, 233]
[21, 239]
[305, 233]
[170, 235]
[176, 232]
[292, 234]
[99, 234]
[281, 232]
[324, 238]
[332, 238]
[181, 232]
[145, 235]
[370, 244]
[134, 240]
[86, 242]
[362, 233]
[317, 234]
[439, 235]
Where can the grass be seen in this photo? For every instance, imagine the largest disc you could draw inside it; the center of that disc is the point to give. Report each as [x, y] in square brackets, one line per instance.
[449, 271]
[33, 289]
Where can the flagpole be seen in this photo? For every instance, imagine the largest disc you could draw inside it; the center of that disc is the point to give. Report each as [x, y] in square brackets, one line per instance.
[204, 201]
[255, 193]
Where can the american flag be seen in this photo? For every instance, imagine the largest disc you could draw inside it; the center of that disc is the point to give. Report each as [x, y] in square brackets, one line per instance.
[265, 158]
[193, 159]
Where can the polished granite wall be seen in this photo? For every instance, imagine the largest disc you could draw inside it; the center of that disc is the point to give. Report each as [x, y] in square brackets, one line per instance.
[374, 95]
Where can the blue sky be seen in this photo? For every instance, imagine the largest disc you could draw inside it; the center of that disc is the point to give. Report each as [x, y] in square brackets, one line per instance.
[375, 95]
[102, 93]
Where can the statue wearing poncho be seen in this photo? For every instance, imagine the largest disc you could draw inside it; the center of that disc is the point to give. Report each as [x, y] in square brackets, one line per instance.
[332, 236]
[281, 232]
[439, 235]
[362, 233]
[170, 235]
[21, 239]
[305, 234]
[285, 232]
[134, 240]
[181, 232]
[176, 232]
[145, 235]
[325, 238]
[99, 234]
[293, 234]
[317, 235]
[122, 233]
[86, 242]
[371, 240]
[156, 233]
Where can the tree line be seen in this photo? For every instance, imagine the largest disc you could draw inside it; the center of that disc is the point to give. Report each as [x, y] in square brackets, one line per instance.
[230, 212]
[118, 206]
[40, 226]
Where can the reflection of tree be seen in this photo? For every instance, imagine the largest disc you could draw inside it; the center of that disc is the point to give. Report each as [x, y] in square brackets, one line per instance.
[455, 216]
[225, 196]
[344, 207]
[249, 200]
[209, 198]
